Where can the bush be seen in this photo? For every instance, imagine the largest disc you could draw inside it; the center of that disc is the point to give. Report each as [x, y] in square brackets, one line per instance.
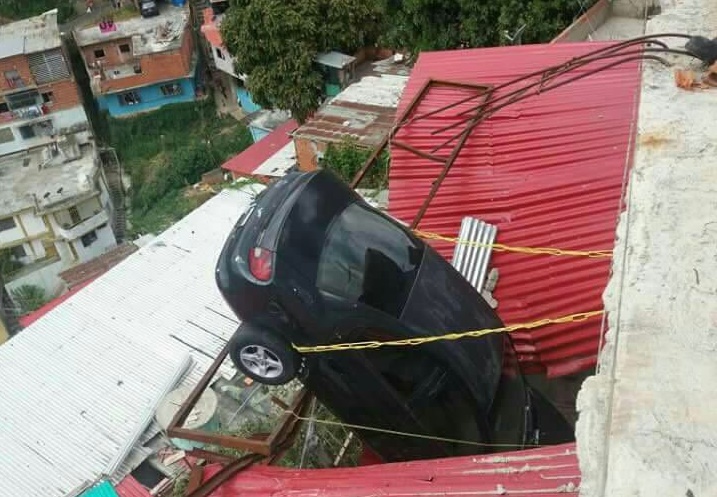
[22, 9]
[28, 298]
[347, 158]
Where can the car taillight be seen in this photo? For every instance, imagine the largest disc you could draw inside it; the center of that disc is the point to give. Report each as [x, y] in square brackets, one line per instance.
[261, 263]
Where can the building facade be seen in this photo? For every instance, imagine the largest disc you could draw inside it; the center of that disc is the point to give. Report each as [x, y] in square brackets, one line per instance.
[140, 64]
[55, 209]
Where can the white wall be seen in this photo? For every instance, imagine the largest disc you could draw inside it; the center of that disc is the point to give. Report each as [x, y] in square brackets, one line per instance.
[33, 224]
[46, 278]
[11, 235]
[60, 119]
[226, 63]
[105, 241]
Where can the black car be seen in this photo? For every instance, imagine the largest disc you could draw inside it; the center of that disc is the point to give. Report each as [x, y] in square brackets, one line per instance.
[311, 263]
[148, 8]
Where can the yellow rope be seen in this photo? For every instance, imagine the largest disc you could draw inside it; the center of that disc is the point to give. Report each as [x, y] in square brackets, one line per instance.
[499, 247]
[571, 318]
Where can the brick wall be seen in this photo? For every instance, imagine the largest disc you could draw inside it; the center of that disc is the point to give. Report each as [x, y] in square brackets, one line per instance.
[156, 67]
[18, 63]
[306, 153]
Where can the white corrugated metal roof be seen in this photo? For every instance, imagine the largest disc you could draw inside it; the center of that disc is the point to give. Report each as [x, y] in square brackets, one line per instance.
[35, 34]
[278, 164]
[77, 383]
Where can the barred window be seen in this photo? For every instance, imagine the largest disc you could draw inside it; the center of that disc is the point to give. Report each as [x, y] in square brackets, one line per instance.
[48, 66]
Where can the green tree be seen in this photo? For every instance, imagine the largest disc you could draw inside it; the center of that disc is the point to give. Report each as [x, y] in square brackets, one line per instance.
[275, 43]
[21, 9]
[346, 159]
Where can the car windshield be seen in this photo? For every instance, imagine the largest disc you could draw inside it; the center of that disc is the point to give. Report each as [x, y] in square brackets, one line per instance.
[367, 258]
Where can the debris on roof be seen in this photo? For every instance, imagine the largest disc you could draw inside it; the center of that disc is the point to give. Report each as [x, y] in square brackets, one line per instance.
[548, 171]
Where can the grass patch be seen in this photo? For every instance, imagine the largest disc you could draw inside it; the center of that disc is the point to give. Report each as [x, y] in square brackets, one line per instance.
[167, 150]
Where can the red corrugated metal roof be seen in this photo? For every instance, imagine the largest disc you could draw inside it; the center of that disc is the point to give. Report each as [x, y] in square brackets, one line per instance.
[247, 161]
[30, 318]
[130, 487]
[539, 472]
[547, 171]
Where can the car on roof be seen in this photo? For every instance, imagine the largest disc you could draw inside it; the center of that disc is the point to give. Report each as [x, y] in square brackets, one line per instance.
[311, 263]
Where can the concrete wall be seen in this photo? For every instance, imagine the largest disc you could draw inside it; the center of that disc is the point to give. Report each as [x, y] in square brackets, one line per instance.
[11, 235]
[586, 23]
[151, 98]
[105, 241]
[33, 225]
[60, 119]
[223, 60]
[46, 277]
[633, 8]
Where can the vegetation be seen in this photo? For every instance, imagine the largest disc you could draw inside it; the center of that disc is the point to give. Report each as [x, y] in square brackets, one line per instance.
[21, 9]
[28, 298]
[346, 159]
[8, 264]
[167, 150]
[275, 43]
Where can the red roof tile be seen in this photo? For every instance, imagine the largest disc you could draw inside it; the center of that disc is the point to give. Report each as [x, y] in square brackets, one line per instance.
[548, 171]
[247, 161]
[130, 487]
[97, 266]
[532, 473]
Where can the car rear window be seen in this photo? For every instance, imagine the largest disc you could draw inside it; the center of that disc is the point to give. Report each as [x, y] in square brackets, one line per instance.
[367, 258]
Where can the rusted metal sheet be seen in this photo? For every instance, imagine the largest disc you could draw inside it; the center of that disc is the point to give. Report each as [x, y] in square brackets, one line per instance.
[547, 170]
[530, 473]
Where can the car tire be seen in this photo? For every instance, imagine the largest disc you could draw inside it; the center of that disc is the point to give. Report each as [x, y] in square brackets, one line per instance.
[263, 356]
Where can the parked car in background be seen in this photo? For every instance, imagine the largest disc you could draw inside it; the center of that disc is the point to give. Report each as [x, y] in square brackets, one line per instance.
[311, 263]
[148, 8]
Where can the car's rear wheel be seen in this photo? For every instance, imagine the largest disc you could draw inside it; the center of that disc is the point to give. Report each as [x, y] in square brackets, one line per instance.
[263, 356]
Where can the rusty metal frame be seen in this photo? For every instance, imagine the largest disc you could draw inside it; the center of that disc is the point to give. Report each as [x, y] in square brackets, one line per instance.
[641, 48]
[266, 446]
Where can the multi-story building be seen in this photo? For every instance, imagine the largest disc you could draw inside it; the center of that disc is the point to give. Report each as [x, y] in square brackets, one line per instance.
[140, 64]
[39, 98]
[55, 209]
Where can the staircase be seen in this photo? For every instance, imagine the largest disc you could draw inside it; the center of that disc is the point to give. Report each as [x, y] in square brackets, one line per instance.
[113, 173]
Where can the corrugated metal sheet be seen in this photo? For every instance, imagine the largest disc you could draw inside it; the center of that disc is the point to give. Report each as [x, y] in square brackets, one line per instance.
[130, 487]
[539, 472]
[472, 260]
[244, 163]
[79, 381]
[103, 489]
[547, 171]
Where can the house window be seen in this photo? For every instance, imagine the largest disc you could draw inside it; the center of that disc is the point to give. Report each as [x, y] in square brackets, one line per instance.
[171, 89]
[14, 80]
[18, 252]
[6, 135]
[89, 238]
[22, 99]
[27, 132]
[220, 53]
[124, 48]
[7, 224]
[4, 107]
[74, 215]
[129, 98]
[48, 97]
[48, 66]
[99, 53]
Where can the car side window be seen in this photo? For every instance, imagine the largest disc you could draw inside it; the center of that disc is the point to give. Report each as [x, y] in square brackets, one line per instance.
[366, 258]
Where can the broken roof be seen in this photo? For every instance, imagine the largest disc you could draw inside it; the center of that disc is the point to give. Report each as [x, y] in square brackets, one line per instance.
[149, 35]
[246, 162]
[78, 382]
[35, 34]
[530, 473]
[547, 171]
[36, 179]
[365, 110]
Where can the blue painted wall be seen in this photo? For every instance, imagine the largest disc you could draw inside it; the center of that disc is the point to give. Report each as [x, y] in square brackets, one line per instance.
[151, 98]
[245, 101]
[258, 133]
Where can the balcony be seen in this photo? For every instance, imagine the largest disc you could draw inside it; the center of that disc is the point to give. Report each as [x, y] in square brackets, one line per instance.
[76, 231]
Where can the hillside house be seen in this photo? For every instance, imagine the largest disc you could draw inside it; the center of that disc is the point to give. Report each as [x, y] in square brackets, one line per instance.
[140, 64]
